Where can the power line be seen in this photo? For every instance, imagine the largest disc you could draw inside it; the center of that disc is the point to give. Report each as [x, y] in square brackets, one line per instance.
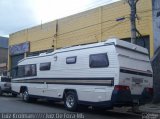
[104, 30]
[107, 28]
[148, 10]
[113, 26]
[99, 5]
[86, 27]
[91, 26]
[91, 33]
[95, 4]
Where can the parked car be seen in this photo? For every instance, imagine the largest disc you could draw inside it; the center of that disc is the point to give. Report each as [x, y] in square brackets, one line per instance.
[5, 85]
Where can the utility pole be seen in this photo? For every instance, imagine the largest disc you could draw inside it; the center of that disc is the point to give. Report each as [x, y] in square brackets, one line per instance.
[132, 4]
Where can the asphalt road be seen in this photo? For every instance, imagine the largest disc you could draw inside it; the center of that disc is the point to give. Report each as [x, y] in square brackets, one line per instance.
[10, 104]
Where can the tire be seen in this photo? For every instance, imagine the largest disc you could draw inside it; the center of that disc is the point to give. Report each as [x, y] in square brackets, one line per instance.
[1, 93]
[71, 101]
[25, 96]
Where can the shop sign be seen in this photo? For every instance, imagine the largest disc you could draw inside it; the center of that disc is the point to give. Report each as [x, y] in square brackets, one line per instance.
[19, 48]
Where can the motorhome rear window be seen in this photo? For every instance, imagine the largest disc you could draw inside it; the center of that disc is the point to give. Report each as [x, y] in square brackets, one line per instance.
[71, 60]
[45, 66]
[98, 60]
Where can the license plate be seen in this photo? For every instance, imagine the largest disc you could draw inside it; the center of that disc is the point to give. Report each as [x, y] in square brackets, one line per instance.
[137, 80]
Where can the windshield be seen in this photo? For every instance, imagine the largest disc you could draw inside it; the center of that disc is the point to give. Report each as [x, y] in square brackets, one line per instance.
[5, 79]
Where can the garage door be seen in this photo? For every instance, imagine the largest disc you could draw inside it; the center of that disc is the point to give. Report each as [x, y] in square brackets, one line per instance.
[15, 59]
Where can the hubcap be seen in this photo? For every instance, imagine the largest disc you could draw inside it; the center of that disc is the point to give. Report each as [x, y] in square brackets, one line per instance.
[70, 101]
[25, 95]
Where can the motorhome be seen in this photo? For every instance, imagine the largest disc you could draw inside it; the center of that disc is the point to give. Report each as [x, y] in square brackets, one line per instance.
[106, 74]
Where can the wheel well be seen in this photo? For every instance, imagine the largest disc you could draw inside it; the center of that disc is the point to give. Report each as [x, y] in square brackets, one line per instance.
[23, 88]
[67, 90]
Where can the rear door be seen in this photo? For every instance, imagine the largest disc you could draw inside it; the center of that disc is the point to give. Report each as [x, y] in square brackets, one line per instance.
[135, 69]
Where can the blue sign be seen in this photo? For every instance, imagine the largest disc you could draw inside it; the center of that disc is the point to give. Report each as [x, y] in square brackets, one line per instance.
[19, 48]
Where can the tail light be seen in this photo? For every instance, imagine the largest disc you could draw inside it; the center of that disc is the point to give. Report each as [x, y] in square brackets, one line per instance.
[149, 90]
[120, 87]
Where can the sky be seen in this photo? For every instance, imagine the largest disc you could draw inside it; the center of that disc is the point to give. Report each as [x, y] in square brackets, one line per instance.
[16, 15]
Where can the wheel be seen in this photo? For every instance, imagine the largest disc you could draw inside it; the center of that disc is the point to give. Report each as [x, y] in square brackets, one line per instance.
[71, 101]
[1, 92]
[25, 96]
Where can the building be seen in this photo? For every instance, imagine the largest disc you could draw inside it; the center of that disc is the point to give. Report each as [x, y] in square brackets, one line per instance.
[156, 23]
[155, 59]
[94, 25]
[3, 54]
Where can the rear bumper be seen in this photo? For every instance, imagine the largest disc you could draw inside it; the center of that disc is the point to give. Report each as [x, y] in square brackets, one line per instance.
[125, 98]
[120, 98]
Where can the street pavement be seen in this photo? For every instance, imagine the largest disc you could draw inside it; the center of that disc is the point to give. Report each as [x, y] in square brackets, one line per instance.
[150, 108]
[10, 104]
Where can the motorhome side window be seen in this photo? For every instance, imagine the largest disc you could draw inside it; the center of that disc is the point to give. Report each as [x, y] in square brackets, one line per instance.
[5, 79]
[98, 60]
[71, 60]
[30, 70]
[45, 66]
[20, 71]
[14, 72]
[26, 70]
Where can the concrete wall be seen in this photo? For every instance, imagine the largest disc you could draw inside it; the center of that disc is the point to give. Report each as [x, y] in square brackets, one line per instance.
[3, 59]
[91, 26]
[3, 68]
[4, 42]
[156, 23]
[156, 58]
[3, 55]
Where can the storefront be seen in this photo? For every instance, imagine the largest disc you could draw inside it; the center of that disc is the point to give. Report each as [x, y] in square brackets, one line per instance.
[18, 52]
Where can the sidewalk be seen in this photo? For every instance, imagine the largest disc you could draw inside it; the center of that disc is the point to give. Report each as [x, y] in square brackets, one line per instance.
[150, 108]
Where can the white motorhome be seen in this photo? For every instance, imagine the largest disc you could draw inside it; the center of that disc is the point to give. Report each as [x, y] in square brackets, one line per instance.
[105, 74]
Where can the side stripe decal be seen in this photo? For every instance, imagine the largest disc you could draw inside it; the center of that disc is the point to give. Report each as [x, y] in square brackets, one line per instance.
[135, 72]
[69, 81]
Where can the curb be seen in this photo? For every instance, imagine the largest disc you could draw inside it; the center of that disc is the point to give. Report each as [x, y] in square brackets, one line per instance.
[150, 108]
